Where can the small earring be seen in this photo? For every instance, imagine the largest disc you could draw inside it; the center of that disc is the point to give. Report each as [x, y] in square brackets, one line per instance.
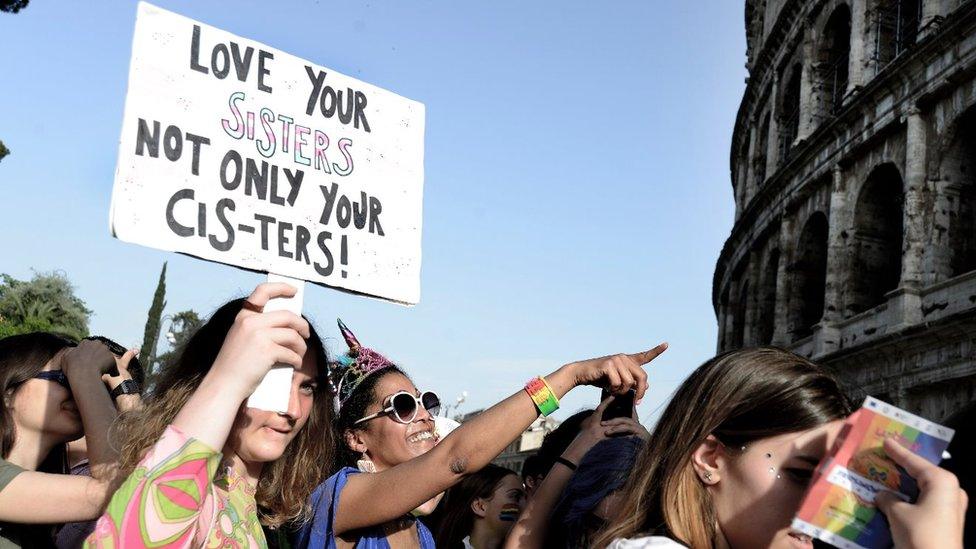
[708, 477]
[365, 464]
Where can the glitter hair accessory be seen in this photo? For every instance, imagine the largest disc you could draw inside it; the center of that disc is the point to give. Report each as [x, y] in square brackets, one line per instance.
[353, 367]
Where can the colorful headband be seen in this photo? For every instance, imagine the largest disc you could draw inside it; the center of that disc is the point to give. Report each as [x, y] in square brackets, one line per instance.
[353, 367]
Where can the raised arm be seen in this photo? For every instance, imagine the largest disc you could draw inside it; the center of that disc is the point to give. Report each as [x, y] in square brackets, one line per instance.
[254, 344]
[475, 443]
[533, 524]
[84, 366]
[67, 497]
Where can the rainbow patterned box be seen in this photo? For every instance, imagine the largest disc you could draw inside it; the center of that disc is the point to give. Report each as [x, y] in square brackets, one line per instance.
[839, 505]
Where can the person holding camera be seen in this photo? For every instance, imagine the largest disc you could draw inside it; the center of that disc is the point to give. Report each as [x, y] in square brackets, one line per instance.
[53, 393]
[614, 417]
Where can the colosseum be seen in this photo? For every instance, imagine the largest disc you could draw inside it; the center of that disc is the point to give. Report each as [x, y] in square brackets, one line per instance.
[853, 167]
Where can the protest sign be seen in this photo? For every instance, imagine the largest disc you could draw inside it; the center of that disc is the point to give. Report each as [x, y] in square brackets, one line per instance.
[236, 152]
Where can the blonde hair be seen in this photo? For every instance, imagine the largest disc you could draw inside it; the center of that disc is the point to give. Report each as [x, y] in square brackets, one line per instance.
[286, 483]
[738, 397]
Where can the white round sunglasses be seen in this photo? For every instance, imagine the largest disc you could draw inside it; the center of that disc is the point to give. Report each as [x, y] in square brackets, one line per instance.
[404, 406]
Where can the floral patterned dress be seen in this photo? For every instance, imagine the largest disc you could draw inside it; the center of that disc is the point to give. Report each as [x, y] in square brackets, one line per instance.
[180, 496]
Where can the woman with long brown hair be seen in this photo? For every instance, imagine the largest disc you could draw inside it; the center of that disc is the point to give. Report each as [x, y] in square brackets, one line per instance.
[203, 468]
[731, 457]
[53, 393]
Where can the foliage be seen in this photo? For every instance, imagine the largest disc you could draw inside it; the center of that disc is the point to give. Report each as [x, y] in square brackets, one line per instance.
[181, 327]
[13, 6]
[47, 303]
[4, 151]
[151, 335]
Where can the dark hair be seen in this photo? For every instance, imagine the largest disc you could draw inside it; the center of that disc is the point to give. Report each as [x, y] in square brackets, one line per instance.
[603, 470]
[554, 444]
[355, 408]
[453, 519]
[286, 483]
[21, 358]
[532, 467]
[738, 397]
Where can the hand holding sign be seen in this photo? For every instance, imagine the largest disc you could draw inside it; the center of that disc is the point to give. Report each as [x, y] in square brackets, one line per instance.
[258, 341]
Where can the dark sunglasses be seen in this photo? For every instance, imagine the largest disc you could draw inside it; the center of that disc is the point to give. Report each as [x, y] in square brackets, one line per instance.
[56, 376]
[404, 406]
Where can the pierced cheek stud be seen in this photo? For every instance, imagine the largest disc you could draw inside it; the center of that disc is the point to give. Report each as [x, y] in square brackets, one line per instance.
[769, 455]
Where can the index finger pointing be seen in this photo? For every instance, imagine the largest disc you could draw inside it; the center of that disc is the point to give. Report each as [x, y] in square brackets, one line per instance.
[647, 356]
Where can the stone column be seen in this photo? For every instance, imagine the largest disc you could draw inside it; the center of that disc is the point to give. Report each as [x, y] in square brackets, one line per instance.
[857, 66]
[931, 10]
[838, 264]
[752, 300]
[807, 106]
[740, 186]
[772, 150]
[751, 184]
[827, 335]
[915, 182]
[781, 316]
[905, 302]
[944, 207]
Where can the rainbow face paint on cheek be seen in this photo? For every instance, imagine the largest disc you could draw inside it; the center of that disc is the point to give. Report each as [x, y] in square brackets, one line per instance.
[509, 512]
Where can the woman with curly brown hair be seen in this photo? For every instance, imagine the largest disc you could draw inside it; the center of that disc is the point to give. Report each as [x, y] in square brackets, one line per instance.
[203, 468]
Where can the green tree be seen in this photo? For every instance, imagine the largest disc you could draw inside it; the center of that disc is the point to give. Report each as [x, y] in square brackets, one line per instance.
[47, 302]
[151, 335]
[181, 327]
[4, 151]
[13, 6]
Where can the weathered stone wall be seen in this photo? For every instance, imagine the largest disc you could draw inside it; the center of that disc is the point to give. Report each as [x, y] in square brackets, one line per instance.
[853, 164]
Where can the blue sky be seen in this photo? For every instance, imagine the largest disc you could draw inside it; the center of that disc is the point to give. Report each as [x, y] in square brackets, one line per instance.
[576, 194]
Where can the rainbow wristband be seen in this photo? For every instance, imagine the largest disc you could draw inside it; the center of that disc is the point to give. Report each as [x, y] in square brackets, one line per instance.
[543, 397]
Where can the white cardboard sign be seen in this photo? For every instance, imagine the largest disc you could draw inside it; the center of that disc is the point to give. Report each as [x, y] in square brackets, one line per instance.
[236, 152]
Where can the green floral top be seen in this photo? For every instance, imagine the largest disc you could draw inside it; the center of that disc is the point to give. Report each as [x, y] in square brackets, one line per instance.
[180, 496]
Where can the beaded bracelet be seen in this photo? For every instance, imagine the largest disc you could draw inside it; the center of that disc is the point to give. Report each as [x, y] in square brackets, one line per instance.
[543, 397]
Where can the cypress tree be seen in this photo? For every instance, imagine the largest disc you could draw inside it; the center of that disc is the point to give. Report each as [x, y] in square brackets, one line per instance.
[148, 353]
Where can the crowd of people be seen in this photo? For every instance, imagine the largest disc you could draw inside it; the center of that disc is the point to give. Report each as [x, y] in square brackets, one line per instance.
[357, 459]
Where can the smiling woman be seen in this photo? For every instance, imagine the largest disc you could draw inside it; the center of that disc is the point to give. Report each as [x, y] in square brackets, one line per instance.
[402, 467]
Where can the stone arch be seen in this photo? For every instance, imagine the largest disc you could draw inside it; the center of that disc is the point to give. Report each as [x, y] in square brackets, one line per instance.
[809, 277]
[877, 239]
[766, 296]
[833, 59]
[789, 113]
[896, 25]
[957, 217]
